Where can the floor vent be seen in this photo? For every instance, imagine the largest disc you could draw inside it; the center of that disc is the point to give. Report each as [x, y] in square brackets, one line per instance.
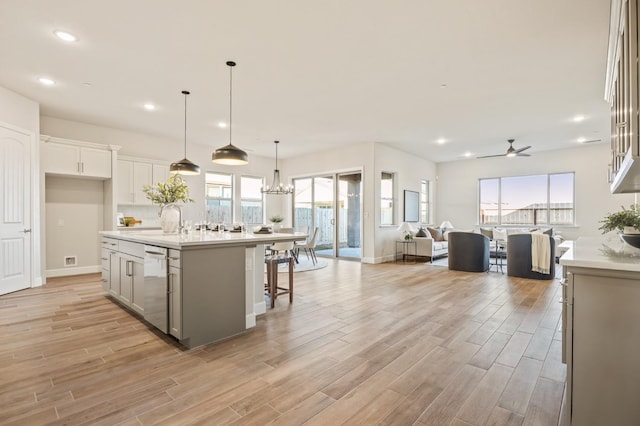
[70, 261]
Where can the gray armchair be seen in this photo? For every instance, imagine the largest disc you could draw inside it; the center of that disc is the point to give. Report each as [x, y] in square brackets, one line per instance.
[468, 252]
[519, 258]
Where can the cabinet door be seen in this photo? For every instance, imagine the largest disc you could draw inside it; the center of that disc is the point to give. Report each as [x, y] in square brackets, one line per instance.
[137, 291]
[114, 274]
[106, 270]
[60, 158]
[125, 182]
[142, 173]
[160, 173]
[175, 302]
[126, 279]
[95, 162]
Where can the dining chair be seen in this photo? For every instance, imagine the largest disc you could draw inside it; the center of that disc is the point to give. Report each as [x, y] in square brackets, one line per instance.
[309, 246]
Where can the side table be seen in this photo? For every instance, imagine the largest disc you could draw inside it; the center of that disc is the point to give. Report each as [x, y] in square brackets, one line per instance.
[405, 249]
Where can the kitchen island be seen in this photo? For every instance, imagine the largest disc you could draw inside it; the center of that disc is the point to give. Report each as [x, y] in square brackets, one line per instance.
[215, 280]
[601, 324]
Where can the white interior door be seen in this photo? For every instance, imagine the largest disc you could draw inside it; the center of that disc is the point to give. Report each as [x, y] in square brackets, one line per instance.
[15, 210]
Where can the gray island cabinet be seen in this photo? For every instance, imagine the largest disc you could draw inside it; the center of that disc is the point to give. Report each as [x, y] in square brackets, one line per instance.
[602, 321]
[214, 281]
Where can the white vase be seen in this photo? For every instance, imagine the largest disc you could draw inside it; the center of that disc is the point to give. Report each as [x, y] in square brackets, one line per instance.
[170, 216]
[277, 226]
[630, 230]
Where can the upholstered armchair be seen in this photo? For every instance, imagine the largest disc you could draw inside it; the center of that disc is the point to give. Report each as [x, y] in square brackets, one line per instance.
[468, 252]
[519, 258]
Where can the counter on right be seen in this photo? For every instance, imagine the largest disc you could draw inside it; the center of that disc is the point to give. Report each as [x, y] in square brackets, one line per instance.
[601, 331]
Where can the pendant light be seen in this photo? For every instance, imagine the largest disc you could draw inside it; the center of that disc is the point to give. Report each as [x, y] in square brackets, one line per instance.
[184, 166]
[277, 188]
[229, 154]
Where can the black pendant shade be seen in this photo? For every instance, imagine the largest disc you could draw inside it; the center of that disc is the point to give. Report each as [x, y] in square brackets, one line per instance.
[230, 154]
[184, 166]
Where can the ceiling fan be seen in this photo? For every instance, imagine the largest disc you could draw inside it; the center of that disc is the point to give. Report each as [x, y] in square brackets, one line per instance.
[511, 152]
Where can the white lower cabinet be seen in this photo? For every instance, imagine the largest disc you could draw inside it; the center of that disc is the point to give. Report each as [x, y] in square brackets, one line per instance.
[603, 342]
[175, 302]
[132, 282]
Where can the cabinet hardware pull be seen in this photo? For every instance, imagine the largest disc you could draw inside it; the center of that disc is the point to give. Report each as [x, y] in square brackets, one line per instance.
[171, 283]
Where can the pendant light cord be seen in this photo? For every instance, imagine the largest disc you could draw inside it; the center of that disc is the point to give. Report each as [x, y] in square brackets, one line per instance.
[185, 123]
[230, 99]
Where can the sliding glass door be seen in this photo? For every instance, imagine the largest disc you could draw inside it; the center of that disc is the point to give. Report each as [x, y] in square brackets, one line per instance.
[332, 204]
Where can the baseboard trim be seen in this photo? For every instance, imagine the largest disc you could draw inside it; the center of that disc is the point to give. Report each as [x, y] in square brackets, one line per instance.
[260, 308]
[79, 270]
[250, 321]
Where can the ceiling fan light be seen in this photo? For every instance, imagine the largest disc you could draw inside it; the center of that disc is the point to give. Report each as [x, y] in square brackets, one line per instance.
[230, 155]
[511, 154]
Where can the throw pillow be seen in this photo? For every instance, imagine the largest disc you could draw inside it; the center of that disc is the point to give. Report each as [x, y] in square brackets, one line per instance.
[499, 234]
[549, 232]
[487, 232]
[436, 234]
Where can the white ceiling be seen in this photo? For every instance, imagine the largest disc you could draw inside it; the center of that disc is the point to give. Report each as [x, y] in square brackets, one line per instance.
[320, 74]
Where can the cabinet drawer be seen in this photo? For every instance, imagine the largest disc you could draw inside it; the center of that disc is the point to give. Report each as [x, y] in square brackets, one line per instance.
[133, 249]
[174, 258]
[110, 243]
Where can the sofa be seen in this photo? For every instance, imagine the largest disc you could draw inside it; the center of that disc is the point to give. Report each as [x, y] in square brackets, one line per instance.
[429, 248]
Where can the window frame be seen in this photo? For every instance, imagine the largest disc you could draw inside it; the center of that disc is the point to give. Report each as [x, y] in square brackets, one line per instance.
[231, 199]
[425, 205]
[547, 201]
[391, 199]
[261, 199]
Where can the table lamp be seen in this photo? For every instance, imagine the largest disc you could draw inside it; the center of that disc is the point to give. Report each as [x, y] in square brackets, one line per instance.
[405, 228]
[446, 225]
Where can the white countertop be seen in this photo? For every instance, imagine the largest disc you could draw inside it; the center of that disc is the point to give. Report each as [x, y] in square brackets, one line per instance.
[606, 252]
[196, 238]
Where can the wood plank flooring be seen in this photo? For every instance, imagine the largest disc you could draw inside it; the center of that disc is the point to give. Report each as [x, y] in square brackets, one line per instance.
[361, 345]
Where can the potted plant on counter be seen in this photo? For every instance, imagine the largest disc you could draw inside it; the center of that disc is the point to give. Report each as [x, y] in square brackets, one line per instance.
[167, 195]
[276, 219]
[626, 222]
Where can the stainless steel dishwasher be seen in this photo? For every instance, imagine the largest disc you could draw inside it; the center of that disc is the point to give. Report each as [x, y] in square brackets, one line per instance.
[156, 291]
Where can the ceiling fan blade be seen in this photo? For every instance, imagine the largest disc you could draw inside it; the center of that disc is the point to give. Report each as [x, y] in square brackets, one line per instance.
[518, 151]
[523, 155]
[489, 156]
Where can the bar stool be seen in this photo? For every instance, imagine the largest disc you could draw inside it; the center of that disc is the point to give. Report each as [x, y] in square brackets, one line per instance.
[271, 287]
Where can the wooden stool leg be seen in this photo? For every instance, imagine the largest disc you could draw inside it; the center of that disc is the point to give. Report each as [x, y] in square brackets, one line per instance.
[274, 283]
[272, 295]
[291, 280]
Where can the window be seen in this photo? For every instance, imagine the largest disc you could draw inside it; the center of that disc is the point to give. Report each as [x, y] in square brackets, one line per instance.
[219, 197]
[251, 200]
[386, 198]
[528, 200]
[424, 201]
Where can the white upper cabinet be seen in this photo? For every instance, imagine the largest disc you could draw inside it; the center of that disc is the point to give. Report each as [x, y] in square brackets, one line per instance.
[75, 158]
[133, 175]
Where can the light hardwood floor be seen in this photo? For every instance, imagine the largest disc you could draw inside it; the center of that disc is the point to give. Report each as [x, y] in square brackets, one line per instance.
[361, 344]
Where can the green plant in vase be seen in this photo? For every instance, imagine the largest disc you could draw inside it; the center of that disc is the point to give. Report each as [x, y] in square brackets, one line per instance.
[167, 195]
[626, 221]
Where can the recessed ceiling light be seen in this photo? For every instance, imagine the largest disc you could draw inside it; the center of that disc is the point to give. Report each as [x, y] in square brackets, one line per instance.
[443, 86]
[578, 118]
[46, 81]
[222, 125]
[441, 141]
[149, 106]
[65, 36]
[468, 154]
[582, 140]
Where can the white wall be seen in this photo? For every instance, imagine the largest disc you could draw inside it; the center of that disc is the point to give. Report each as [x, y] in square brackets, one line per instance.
[74, 215]
[18, 111]
[457, 199]
[409, 171]
[151, 147]
[372, 158]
